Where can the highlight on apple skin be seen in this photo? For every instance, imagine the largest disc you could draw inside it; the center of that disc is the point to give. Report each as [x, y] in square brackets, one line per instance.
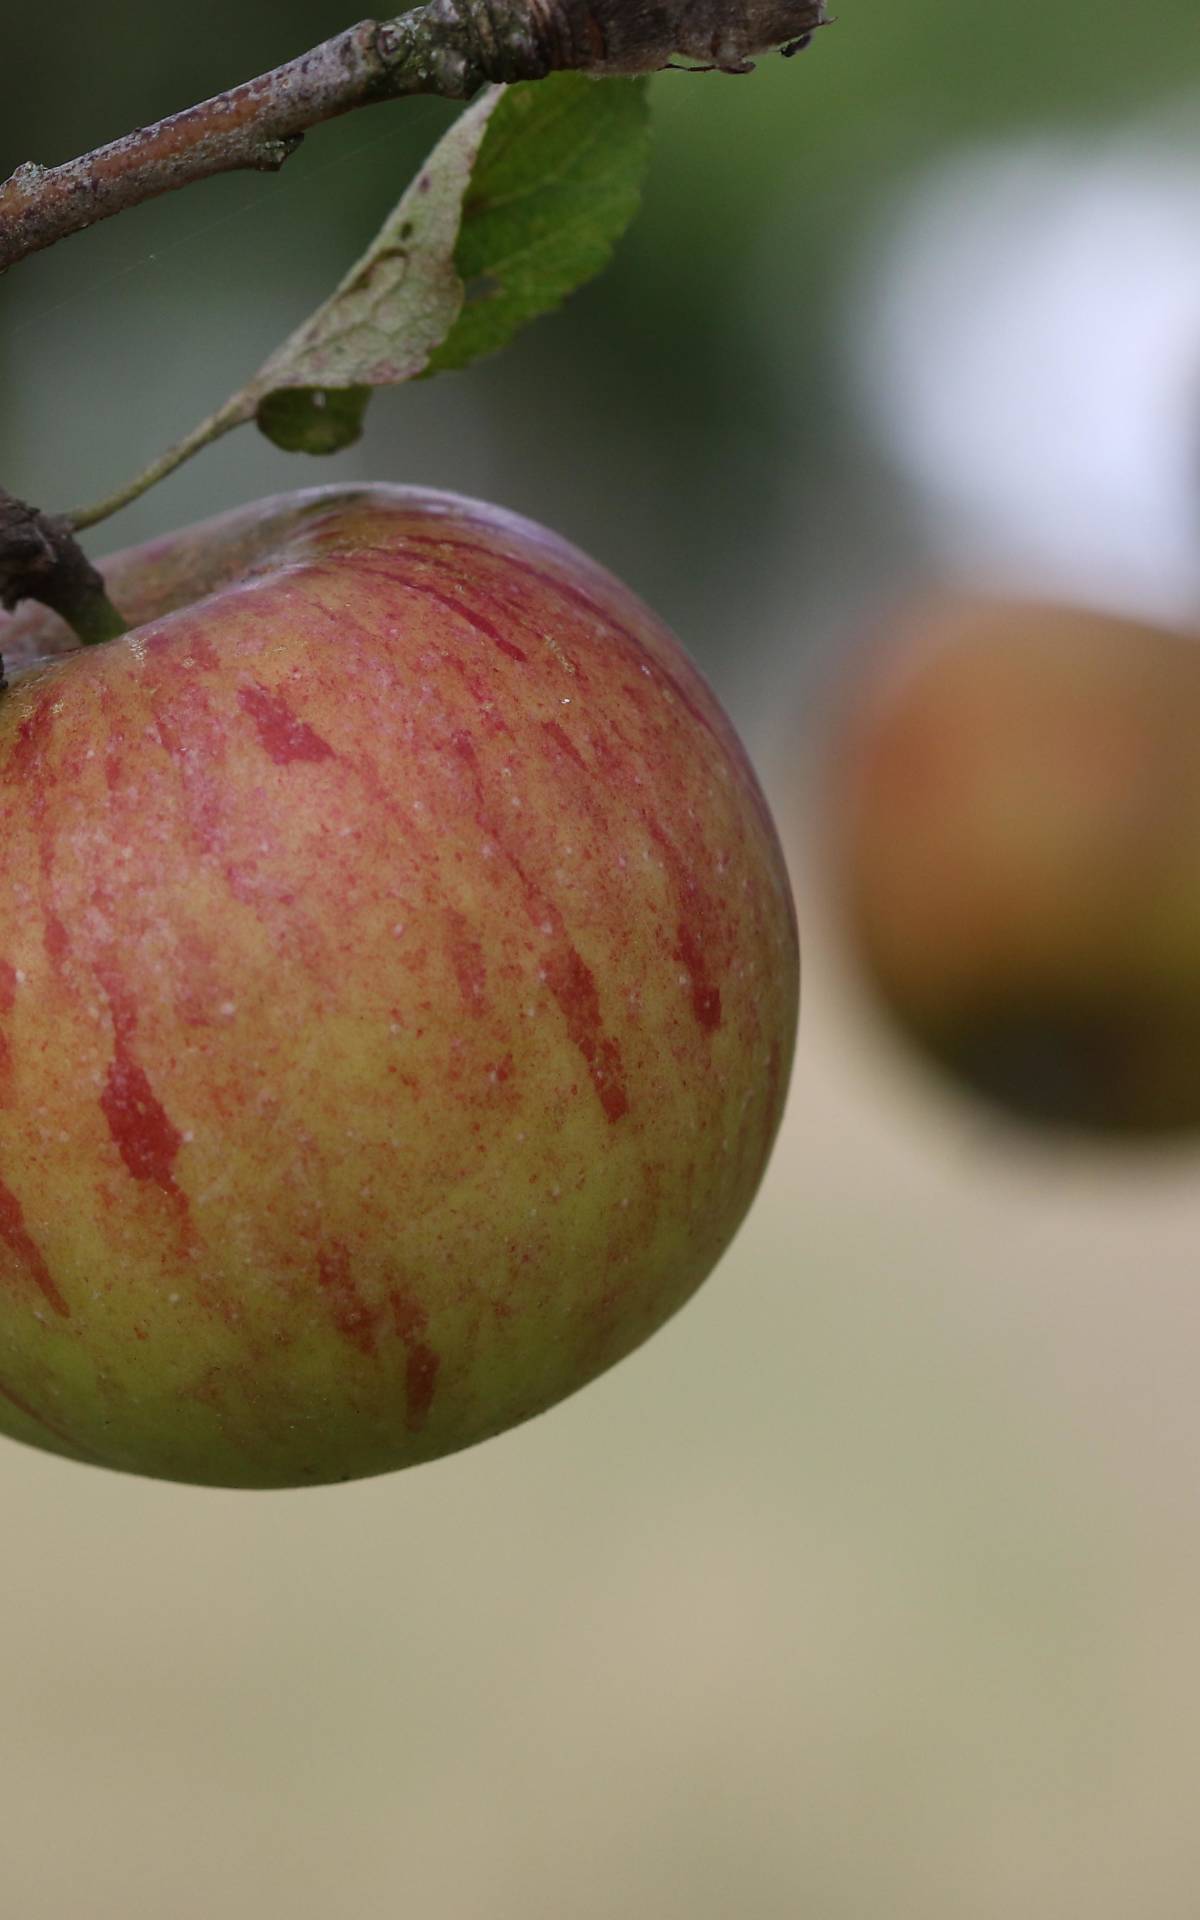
[1013, 839]
[398, 987]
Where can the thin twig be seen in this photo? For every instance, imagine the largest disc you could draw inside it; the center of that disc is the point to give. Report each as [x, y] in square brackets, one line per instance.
[447, 47]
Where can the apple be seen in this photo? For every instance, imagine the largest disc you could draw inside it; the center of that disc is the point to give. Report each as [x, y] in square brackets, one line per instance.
[398, 986]
[1014, 839]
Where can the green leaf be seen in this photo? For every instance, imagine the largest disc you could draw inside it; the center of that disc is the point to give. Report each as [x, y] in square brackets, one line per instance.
[313, 419]
[517, 205]
[398, 302]
[520, 203]
[557, 181]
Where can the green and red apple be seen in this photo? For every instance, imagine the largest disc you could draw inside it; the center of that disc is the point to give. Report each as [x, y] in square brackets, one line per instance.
[398, 984]
[1014, 830]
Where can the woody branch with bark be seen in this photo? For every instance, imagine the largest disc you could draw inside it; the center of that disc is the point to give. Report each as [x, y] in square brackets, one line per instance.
[447, 48]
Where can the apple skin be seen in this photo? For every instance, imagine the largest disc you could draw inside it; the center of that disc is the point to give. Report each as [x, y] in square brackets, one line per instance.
[398, 988]
[1014, 838]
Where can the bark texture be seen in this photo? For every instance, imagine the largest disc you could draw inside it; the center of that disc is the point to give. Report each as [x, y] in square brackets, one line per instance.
[447, 47]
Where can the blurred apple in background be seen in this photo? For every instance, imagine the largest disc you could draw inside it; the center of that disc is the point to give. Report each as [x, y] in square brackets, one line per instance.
[398, 985]
[1014, 839]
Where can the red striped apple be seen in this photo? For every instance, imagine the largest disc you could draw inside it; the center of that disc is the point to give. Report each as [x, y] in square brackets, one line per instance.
[1015, 837]
[398, 981]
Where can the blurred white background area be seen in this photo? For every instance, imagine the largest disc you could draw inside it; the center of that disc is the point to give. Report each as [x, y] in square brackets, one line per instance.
[1024, 331]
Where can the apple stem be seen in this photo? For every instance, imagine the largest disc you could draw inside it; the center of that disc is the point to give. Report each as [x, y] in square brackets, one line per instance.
[95, 620]
[40, 559]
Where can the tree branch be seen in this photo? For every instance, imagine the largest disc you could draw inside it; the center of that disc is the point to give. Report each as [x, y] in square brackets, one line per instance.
[446, 47]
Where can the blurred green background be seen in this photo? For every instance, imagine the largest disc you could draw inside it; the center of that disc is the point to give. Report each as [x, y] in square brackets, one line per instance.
[870, 1586]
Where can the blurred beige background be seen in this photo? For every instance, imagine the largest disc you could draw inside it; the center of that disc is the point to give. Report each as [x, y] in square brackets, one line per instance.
[869, 1587]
